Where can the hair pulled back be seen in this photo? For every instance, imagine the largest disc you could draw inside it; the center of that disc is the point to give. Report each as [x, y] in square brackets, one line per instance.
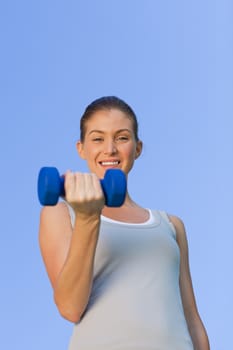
[107, 103]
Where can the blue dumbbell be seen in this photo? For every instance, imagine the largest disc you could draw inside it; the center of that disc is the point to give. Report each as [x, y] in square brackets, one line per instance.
[51, 186]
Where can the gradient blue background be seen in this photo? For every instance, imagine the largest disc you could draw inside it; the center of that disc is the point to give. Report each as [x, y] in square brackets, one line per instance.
[172, 61]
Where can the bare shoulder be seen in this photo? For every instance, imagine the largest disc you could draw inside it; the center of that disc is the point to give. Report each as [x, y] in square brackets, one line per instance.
[55, 232]
[177, 222]
[180, 229]
[54, 219]
[49, 213]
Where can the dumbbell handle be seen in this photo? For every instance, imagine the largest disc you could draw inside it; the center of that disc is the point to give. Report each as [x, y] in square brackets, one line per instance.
[51, 186]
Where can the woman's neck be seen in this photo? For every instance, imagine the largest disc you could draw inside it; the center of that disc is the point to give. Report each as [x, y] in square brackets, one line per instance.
[129, 212]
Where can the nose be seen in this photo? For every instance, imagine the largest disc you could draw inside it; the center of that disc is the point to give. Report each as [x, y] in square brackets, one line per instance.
[110, 147]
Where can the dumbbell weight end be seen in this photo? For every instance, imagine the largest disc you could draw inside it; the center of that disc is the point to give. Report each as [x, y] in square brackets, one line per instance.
[50, 186]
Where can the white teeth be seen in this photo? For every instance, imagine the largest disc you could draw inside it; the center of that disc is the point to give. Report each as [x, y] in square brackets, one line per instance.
[109, 163]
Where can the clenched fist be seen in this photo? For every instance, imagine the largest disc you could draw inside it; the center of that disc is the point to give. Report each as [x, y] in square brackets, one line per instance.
[84, 192]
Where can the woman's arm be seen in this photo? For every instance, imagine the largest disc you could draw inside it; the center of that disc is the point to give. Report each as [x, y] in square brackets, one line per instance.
[68, 252]
[195, 325]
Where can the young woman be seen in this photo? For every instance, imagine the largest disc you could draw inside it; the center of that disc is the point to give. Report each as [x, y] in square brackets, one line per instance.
[121, 275]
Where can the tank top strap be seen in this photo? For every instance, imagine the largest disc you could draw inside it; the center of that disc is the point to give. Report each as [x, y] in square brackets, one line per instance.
[165, 218]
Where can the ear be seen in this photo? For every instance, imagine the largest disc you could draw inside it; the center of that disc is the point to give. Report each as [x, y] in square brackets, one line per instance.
[80, 150]
[139, 147]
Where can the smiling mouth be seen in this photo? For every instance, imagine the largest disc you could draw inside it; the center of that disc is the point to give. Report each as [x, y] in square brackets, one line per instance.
[110, 163]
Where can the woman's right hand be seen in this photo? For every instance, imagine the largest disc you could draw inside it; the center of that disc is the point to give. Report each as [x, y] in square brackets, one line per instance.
[84, 193]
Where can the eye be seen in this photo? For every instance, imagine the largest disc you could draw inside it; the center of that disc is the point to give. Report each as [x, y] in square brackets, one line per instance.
[122, 138]
[97, 139]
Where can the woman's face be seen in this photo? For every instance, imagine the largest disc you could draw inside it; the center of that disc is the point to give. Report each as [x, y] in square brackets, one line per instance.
[109, 142]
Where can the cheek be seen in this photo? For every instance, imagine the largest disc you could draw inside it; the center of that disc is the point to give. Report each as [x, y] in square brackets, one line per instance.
[90, 151]
[130, 152]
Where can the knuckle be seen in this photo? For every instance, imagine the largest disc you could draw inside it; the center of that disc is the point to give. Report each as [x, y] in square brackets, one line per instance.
[83, 190]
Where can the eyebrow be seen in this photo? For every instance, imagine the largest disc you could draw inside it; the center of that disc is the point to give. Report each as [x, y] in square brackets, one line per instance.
[103, 132]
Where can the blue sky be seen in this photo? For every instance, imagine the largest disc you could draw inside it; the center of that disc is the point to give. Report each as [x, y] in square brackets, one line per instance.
[172, 62]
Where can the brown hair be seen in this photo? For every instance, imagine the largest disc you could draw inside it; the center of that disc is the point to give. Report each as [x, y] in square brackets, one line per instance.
[106, 103]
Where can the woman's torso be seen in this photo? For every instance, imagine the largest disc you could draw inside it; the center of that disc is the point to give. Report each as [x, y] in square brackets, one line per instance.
[135, 301]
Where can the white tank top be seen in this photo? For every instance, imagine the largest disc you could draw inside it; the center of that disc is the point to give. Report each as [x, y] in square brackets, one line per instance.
[135, 303]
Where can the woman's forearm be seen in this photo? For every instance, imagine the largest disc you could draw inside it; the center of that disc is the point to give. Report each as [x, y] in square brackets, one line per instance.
[74, 283]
